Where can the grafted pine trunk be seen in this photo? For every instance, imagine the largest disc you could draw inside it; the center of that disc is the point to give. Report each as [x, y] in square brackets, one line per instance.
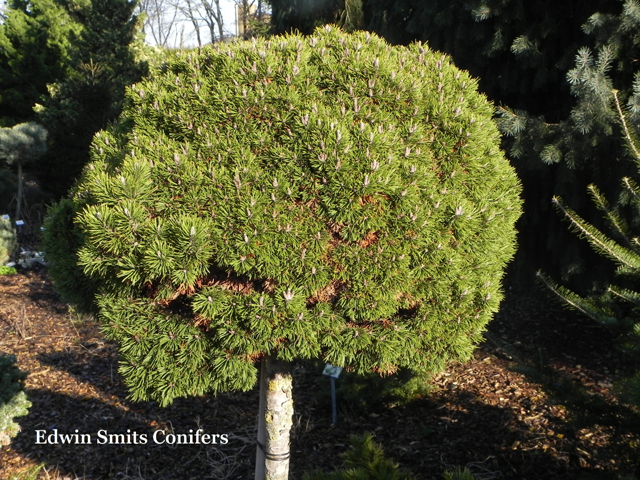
[275, 420]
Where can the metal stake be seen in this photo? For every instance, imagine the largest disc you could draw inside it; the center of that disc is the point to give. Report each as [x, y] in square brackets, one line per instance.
[334, 408]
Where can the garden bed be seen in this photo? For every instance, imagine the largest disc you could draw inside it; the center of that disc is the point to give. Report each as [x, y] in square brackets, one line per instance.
[535, 403]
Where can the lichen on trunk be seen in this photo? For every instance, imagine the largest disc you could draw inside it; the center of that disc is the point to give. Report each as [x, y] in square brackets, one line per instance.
[275, 420]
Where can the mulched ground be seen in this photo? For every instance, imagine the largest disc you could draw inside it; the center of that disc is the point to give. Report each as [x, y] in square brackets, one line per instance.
[535, 403]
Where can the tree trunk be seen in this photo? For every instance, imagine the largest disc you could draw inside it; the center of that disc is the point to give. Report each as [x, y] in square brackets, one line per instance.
[219, 20]
[19, 196]
[194, 21]
[275, 420]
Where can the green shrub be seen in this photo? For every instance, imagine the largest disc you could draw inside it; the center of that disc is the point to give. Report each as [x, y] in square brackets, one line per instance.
[7, 270]
[364, 460]
[8, 240]
[60, 242]
[371, 391]
[458, 473]
[13, 400]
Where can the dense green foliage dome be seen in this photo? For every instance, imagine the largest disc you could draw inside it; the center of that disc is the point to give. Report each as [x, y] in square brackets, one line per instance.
[329, 196]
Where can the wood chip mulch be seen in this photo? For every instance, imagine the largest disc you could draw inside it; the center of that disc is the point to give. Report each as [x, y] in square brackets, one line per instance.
[536, 402]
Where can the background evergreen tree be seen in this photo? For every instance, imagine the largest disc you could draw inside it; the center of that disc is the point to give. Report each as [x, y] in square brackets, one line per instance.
[20, 145]
[303, 15]
[581, 148]
[61, 242]
[326, 197]
[618, 306]
[35, 44]
[519, 50]
[103, 62]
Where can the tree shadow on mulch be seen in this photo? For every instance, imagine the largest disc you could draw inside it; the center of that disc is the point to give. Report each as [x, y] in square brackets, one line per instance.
[428, 436]
[116, 452]
[127, 456]
[575, 362]
[500, 423]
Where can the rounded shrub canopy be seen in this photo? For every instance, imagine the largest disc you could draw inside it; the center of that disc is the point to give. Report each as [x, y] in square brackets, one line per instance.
[326, 197]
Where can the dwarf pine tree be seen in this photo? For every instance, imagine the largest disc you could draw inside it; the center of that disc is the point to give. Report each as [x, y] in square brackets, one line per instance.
[323, 197]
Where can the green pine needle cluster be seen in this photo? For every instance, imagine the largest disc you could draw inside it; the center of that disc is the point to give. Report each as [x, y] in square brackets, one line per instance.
[364, 460]
[593, 119]
[618, 307]
[329, 196]
[13, 401]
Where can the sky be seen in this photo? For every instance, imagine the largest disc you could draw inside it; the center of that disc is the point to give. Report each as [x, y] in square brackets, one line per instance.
[185, 28]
